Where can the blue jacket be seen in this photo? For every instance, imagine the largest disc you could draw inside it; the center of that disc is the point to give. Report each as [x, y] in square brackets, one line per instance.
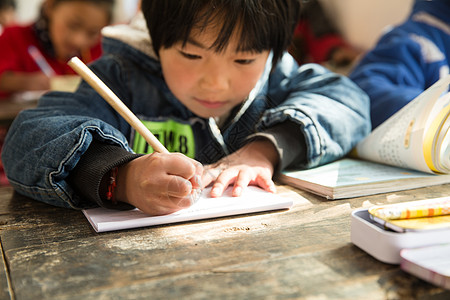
[406, 60]
[328, 111]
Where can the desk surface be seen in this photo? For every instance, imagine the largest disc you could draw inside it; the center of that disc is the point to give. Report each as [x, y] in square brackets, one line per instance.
[302, 253]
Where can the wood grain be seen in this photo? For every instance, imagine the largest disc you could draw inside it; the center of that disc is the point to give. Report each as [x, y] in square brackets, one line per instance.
[301, 253]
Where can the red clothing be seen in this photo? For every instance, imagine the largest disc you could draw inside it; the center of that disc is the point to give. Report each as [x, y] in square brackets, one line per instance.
[318, 48]
[14, 54]
[316, 36]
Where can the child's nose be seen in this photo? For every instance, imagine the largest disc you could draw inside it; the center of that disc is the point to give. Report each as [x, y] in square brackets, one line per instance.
[215, 79]
[82, 40]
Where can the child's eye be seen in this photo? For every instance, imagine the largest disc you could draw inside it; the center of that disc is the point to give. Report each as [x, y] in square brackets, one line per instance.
[190, 56]
[244, 61]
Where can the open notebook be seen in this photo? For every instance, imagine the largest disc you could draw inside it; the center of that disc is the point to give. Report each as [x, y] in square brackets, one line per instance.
[253, 200]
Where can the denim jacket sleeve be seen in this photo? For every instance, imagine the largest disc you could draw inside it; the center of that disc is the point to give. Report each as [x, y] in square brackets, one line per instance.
[44, 144]
[331, 111]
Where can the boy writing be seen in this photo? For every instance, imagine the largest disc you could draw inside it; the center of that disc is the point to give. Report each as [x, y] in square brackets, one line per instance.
[212, 80]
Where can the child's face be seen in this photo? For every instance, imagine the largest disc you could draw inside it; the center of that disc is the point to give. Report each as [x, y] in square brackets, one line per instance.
[7, 16]
[210, 83]
[75, 27]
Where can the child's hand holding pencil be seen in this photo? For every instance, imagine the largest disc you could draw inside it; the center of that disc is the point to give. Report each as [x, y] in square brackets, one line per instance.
[159, 183]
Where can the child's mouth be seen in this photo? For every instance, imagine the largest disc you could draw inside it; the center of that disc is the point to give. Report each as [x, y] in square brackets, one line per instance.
[211, 104]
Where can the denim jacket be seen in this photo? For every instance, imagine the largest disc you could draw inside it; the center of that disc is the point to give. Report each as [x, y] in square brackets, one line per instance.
[45, 144]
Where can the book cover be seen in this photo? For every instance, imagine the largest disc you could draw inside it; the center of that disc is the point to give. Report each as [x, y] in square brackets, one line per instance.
[350, 177]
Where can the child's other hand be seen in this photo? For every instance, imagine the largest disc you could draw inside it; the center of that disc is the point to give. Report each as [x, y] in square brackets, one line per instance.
[159, 183]
[37, 81]
[15, 82]
[253, 164]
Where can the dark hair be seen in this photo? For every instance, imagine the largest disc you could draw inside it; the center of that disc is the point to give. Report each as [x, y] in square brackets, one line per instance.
[107, 4]
[262, 24]
[4, 4]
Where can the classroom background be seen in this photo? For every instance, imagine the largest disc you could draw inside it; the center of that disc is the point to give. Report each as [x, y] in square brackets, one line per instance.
[360, 21]
[27, 10]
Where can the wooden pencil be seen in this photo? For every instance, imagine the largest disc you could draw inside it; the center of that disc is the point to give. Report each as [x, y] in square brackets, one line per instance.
[78, 66]
[101, 88]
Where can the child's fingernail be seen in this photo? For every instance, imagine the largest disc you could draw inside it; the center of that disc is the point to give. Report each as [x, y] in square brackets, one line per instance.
[237, 191]
[195, 195]
[198, 180]
[215, 191]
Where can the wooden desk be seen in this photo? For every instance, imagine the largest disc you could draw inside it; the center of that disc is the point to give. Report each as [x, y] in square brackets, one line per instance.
[302, 253]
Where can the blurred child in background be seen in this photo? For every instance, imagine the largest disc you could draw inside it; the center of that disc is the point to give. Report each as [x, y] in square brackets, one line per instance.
[31, 54]
[7, 13]
[406, 60]
[7, 17]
